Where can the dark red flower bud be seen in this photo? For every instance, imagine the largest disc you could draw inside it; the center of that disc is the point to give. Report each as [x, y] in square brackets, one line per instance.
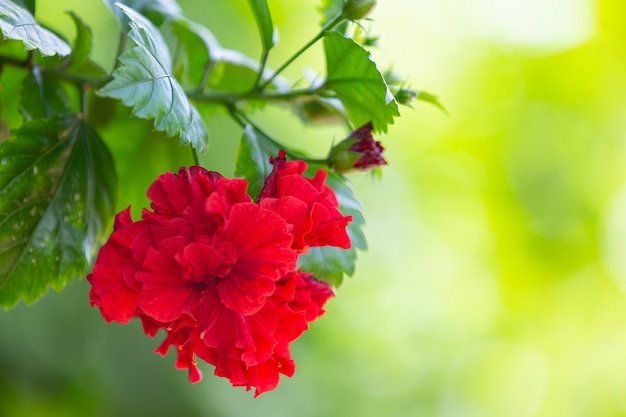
[357, 152]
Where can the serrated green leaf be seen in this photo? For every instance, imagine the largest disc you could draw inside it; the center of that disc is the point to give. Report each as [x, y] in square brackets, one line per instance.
[264, 21]
[82, 43]
[163, 8]
[42, 97]
[144, 81]
[252, 161]
[358, 83]
[18, 23]
[57, 196]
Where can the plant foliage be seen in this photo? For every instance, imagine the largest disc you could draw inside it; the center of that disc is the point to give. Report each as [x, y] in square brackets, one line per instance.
[58, 182]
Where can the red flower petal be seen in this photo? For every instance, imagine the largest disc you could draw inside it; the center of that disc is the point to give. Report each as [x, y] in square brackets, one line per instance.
[173, 282]
[263, 242]
[114, 288]
[233, 336]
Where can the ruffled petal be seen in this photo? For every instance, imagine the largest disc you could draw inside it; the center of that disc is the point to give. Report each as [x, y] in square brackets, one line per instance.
[263, 242]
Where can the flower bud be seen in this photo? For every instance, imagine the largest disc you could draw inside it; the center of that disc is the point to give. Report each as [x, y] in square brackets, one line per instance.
[358, 9]
[358, 152]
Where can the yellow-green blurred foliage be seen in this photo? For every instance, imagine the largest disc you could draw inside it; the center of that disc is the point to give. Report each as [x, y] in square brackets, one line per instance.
[494, 283]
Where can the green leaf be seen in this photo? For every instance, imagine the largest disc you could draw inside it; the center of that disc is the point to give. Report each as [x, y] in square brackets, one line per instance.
[26, 4]
[202, 62]
[144, 81]
[82, 43]
[328, 263]
[235, 72]
[57, 196]
[264, 22]
[30, 5]
[430, 98]
[18, 23]
[253, 158]
[42, 97]
[358, 83]
[80, 64]
[152, 8]
[197, 52]
[252, 161]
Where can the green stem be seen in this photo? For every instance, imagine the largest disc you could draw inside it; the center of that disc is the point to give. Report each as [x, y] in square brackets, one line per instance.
[14, 61]
[77, 79]
[257, 83]
[316, 161]
[325, 29]
[243, 120]
[231, 98]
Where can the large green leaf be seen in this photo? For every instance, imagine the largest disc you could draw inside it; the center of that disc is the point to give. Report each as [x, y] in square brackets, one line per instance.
[18, 23]
[144, 81]
[264, 21]
[57, 196]
[358, 83]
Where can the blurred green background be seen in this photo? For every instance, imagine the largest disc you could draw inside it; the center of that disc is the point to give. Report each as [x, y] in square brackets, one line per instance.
[494, 283]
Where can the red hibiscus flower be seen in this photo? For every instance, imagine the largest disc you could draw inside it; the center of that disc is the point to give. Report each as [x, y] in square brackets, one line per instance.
[217, 272]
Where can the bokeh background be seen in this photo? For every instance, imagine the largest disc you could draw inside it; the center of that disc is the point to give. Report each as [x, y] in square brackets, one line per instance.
[494, 283]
